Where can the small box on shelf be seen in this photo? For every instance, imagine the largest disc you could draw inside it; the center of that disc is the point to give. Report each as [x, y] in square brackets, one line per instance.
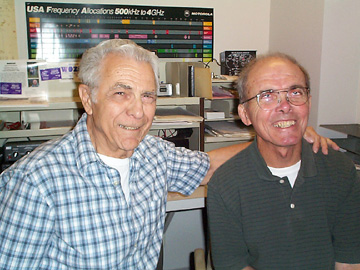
[209, 114]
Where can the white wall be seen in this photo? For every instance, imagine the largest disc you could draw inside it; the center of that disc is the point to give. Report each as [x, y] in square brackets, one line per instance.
[296, 29]
[340, 65]
[324, 36]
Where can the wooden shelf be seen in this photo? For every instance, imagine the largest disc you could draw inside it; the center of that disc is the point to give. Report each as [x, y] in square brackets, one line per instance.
[235, 118]
[10, 134]
[71, 107]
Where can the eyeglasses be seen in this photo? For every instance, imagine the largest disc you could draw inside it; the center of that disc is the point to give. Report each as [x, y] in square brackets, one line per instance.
[270, 99]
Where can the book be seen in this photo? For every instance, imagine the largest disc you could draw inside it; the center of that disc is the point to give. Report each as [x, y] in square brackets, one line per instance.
[191, 81]
[214, 115]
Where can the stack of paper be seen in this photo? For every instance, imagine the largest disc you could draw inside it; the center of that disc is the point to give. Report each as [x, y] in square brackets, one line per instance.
[175, 115]
[229, 129]
[223, 92]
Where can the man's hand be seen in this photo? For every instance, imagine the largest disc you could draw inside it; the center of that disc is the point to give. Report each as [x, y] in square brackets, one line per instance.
[312, 137]
[345, 266]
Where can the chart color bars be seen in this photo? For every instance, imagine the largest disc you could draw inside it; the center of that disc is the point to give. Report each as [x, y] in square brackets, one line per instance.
[64, 31]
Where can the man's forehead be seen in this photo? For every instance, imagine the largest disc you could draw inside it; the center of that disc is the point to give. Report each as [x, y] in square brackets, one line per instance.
[274, 69]
[128, 71]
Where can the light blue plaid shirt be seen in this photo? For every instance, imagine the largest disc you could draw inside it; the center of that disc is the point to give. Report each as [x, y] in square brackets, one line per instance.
[61, 207]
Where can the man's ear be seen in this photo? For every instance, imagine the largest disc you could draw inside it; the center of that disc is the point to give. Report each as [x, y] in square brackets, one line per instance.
[244, 115]
[85, 96]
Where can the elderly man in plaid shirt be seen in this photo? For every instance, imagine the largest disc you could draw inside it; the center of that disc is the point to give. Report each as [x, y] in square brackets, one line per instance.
[95, 198]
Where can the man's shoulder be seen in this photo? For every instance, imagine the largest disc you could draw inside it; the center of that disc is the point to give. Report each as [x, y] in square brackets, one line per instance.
[234, 168]
[238, 161]
[153, 145]
[335, 170]
[41, 158]
[336, 159]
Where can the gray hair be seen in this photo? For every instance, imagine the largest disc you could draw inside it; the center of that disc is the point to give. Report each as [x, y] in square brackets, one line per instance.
[242, 81]
[91, 61]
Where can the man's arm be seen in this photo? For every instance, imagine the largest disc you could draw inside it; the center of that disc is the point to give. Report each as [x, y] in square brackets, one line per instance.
[25, 223]
[345, 266]
[220, 155]
[228, 246]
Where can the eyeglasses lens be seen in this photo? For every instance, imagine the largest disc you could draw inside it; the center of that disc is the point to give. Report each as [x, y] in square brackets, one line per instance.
[269, 100]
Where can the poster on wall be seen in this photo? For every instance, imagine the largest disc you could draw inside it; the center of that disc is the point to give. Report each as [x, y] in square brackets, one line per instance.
[57, 31]
[22, 79]
[26, 82]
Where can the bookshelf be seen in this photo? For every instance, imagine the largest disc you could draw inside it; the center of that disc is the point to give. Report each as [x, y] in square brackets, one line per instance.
[62, 113]
[224, 128]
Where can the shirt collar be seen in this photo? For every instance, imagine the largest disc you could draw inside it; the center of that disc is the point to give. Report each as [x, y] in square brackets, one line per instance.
[85, 151]
[307, 169]
[139, 152]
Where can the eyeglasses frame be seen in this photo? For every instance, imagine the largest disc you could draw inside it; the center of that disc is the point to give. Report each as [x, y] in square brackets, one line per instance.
[279, 91]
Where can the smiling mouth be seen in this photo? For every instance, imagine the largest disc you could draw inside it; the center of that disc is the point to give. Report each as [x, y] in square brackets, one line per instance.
[284, 124]
[129, 128]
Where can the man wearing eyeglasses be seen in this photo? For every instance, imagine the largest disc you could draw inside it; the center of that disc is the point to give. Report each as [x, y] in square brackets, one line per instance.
[277, 205]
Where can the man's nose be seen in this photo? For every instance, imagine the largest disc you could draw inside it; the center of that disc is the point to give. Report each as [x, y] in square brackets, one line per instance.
[284, 103]
[136, 107]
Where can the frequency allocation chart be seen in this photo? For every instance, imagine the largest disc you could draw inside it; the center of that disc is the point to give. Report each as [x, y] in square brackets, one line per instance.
[58, 31]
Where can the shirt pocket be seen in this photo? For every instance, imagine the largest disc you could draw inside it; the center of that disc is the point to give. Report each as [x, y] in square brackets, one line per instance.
[154, 215]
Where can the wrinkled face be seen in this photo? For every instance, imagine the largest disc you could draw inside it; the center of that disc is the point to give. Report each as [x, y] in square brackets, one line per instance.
[284, 125]
[125, 106]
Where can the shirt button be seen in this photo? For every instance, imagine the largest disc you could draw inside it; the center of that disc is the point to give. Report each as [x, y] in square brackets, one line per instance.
[282, 181]
[292, 206]
[135, 245]
[116, 183]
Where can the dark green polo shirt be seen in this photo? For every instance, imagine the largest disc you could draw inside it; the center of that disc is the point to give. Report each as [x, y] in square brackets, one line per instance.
[257, 219]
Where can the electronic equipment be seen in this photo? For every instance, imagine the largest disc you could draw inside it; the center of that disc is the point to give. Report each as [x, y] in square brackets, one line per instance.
[233, 61]
[165, 90]
[182, 137]
[13, 151]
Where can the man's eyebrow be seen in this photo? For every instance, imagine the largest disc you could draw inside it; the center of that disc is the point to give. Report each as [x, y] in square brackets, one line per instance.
[266, 90]
[150, 92]
[128, 87]
[122, 85]
[273, 89]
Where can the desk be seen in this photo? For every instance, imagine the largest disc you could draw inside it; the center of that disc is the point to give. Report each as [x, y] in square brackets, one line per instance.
[349, 129]
[178, 202]
[352, 143]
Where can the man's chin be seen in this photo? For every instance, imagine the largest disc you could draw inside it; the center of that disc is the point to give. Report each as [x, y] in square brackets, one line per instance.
[282, 140]
[289, 142]
[130, 144]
